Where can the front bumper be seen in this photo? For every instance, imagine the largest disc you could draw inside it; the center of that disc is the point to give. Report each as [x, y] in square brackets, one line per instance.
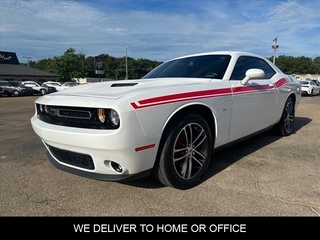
[106, 148]
[98, 176]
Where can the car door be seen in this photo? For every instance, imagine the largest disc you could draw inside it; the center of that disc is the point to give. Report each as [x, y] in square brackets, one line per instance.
[253, 103]
[33, 85]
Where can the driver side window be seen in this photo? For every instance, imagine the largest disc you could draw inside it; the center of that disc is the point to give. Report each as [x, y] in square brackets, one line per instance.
[244, 63]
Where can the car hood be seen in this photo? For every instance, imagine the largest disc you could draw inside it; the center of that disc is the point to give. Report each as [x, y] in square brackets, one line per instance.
[118, 89]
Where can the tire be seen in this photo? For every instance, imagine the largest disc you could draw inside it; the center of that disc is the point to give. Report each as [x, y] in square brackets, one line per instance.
[15, 93]
[43, 92]
[311, 92]
[285, 126]
[185, 153]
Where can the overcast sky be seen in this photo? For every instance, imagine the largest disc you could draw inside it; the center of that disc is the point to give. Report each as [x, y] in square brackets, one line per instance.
[158, 29]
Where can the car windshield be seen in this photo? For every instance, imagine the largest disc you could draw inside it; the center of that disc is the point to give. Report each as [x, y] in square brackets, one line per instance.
[208, 66]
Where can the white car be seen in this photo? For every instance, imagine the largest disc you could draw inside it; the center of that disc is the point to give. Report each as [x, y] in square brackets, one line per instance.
[309, 88]
[57, 85]
[169, 122]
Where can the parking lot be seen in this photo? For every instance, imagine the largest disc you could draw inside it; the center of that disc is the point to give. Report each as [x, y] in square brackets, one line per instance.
[263, 176]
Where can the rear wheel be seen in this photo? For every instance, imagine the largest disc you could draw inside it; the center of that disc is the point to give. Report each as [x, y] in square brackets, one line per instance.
[186, 152]
[285, 126]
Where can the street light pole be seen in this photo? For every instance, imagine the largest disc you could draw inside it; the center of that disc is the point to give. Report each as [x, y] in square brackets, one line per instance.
[28, 60]
[126, 63]
[275, 46]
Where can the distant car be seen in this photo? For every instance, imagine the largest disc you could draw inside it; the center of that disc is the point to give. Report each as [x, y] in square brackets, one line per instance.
[69, 84]
[57, 85]
[23, 90]
[15, 88]
[37, 88]
[51, 89]
[316, 82]
[169, 122]
[309, 88]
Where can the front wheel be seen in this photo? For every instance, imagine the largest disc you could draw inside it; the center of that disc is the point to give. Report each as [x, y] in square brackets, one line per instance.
[16, 93]
[186, 152]
[285, 126]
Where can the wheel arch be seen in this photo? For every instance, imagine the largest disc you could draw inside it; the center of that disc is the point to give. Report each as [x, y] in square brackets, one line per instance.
[290, 95]
[293, 96]
[199, 108]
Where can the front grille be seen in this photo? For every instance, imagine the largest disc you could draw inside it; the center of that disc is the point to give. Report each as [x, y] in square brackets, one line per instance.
[73, 113]
[72, 158]
[79, 117]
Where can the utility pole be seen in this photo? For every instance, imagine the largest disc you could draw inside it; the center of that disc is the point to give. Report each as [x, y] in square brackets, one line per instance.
[28, 59]
[126, 63]
[275, 46]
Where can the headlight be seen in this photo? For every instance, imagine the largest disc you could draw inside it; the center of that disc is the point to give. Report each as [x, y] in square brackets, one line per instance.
[113, 117]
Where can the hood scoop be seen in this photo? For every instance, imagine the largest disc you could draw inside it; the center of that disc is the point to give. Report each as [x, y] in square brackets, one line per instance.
[123, 84]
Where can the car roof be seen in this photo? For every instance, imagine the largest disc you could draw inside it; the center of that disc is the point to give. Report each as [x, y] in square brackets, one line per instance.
[233, 53]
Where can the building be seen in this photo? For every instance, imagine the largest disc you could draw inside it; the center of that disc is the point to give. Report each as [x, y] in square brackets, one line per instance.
[302, 77]
[91, 80]
[12, 70]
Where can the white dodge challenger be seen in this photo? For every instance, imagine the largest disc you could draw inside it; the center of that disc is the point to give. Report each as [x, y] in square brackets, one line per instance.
[169, 122]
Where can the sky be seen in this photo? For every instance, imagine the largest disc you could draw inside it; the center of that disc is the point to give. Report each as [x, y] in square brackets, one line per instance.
[158, 29]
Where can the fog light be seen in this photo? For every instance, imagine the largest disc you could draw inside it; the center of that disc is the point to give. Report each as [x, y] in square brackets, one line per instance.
[114, 117]
[101, 115]
[117, 167]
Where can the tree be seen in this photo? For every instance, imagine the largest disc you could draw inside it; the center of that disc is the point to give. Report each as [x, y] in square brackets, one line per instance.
[70, 65]
[76, 65]
[298, 65]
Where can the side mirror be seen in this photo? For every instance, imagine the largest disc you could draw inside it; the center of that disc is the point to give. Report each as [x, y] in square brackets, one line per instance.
[253, 73]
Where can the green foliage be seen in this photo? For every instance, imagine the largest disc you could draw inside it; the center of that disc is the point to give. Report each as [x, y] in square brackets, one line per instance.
[68, 66]
[297, 65]
[76, 65]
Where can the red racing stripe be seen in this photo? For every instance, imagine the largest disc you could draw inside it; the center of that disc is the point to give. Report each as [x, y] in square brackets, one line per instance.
[187, 95]
[150, 102]
[250, 89]
[281, 82]
[222, 92]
